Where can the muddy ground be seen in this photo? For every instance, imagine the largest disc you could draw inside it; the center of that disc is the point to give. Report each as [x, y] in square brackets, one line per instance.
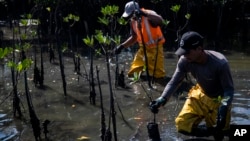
[73, 117]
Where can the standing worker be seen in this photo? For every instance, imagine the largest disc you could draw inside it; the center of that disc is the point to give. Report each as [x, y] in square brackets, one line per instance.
[214, 82]
[146, 31]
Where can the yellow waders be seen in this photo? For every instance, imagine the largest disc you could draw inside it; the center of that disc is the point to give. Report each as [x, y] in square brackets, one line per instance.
[139, 62]
[197, 107]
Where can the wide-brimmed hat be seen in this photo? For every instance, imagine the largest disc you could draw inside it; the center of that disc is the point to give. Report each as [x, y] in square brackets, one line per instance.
[189, 40]
[130, 7]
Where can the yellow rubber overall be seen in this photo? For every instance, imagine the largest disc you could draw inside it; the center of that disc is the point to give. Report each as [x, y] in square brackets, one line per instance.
[152, 56]
[197, 107]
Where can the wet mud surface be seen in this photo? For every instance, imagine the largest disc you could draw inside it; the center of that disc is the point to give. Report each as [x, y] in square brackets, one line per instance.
[73, 117]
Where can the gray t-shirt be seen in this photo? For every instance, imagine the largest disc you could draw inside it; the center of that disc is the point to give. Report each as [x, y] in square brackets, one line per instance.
[214, 76]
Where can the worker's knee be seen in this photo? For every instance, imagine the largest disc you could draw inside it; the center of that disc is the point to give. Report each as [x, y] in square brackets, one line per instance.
[183, 125]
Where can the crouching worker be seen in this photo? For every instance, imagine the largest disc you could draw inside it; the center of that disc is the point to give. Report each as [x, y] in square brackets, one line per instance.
[214, 83]
[145, 30]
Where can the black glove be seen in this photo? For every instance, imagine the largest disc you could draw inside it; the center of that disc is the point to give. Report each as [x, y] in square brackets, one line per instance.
[118, 49]
[154, 105]
[221, 118]
[221, 122]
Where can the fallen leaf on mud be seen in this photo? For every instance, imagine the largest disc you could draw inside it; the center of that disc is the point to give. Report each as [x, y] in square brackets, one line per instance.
[83, 138]
[137, 118]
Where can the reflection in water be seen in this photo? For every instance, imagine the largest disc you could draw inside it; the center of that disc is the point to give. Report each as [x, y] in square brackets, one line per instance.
[240, 120]
[241, 109]
[7, 131]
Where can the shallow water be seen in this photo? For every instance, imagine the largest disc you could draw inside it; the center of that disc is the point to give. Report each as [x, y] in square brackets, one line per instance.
[74, 118]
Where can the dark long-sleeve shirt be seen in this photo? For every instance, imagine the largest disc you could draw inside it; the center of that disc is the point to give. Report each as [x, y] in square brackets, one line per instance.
[214, 76]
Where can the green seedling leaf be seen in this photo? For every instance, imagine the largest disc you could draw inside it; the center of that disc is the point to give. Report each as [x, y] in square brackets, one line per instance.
[33, 33]
[136, 76]
[24, 65]
[217, 100]
[66, 19]
[117, 39]
[166, 22]
[4, 52]
[109, 10]
[24, 22]
[77, 18]
[222, 100]
[175, 8]
[15, 30]
[144, 68]
[101, 38]
[19, 67]
[18, 48]
[64, 47]
[89, 41]
[48, 9]
[12, 64]
[122, 21]
[98, 51]
[187, 16]
[74, 17]
[24, 36]
[103, 20]
[26, 46]
[71, 17]
[29, 16]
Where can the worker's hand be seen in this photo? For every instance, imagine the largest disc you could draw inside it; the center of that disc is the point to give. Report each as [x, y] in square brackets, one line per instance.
[117, 50]
[154, 105]
[221, 118]
[221, 122]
